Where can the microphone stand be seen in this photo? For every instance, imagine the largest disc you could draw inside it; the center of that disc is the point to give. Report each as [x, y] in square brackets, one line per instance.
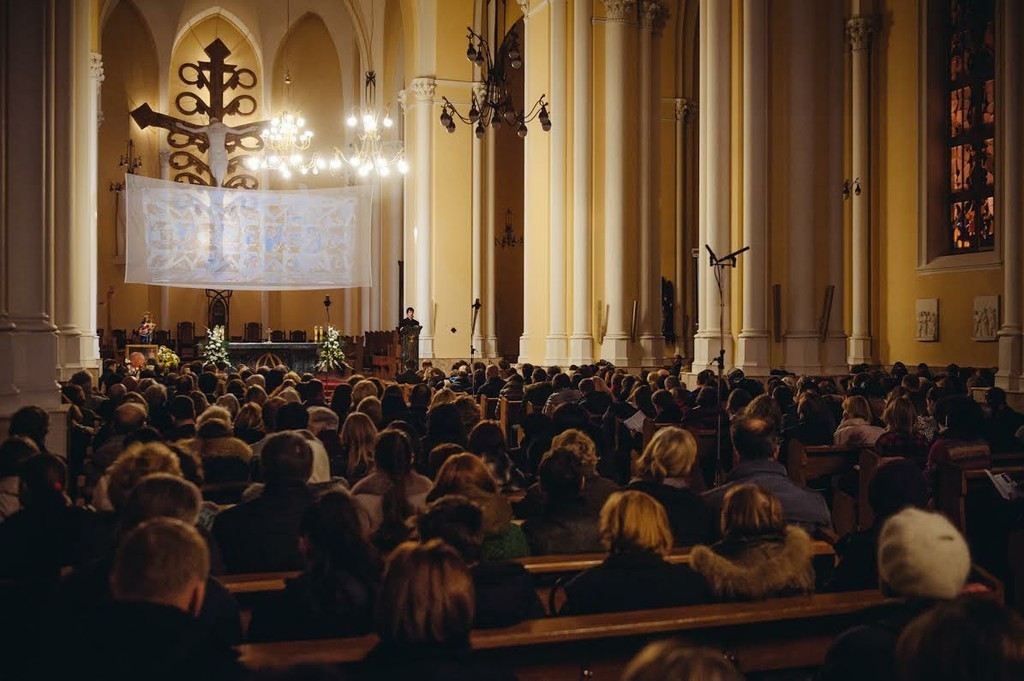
[719, 264]
[472, 349]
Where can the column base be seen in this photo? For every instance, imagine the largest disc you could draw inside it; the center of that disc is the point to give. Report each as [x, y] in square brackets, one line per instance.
[833, 358]
[77, 351]
[859, 350]
[1010, 361]
[652, 351]
[581, 350]
[753, 353]
[615, 349]
[478, 348]
[33, 358]
[803, 353]
[426, 347]
[524, 347]
[706, 347]
[490, 346]
[555, 350]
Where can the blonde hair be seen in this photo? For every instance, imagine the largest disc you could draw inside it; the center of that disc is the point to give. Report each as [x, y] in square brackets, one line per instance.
[459, 473]
[581, 444]
[158, 560]
[372, 407]
[669, 454]
[250, 417]
[899, 415]
[634, 521]
[442, 396]
[358, 435]
[678, 660]
[857, 407]
[426, 595]
[214, 413]
[749, 509]
[363, 389]
[135, 463]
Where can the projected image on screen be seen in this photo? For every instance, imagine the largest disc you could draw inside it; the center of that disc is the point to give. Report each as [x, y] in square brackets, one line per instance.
[209, 237]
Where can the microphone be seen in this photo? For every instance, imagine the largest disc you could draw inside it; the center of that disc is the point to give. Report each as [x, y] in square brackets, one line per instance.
[476, 304]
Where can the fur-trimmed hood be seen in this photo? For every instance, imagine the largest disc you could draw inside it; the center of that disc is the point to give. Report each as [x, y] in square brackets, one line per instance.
[761, 569]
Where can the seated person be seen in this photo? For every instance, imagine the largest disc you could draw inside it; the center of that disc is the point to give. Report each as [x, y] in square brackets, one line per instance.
[262, 534]
[566, 525]
[333, 597]
[922, 560]
[664, 471]
[755, 452]
[1003, 422]
[596, 489]
[467, 475]
[423, 617]
[505, 594]
[962, 442]
[635, 575]
[900, 438]
[759, 556]
[14, 451]
[855, 429]
[968, 639]
[393, 492]
[894, 485]
[151, 630]
[680, 661]
[813, 425]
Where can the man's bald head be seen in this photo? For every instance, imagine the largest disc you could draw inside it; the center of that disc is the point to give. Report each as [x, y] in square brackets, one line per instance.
[754, 439]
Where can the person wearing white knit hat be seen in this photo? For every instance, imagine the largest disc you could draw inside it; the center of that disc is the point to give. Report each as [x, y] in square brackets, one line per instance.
[922, 560]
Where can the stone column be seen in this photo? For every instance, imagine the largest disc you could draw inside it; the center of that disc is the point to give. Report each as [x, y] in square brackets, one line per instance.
[615, 347]
[35, 66]
[752, 352]
[833, 357]
[555, 348]
[858, 32]
[715, 151]
[1012, 191]
[490, 350]
[423, 114]
[477, 238]
[683, 114]
[581, 343]
[648, 107]
[802, 340]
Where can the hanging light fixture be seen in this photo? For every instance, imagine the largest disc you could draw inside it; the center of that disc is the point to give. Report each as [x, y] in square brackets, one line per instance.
[287, 139]
[494, 107]
[508, 236]
[371, 153]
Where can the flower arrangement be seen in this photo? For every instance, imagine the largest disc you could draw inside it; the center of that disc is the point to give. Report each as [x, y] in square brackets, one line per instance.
[166, 358]
[332, 357]
[216, 348]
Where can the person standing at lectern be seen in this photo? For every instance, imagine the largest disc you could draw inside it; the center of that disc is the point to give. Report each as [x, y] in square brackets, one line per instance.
[410, 318]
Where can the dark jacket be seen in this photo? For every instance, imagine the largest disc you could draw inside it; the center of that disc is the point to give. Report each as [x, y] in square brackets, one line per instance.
[128, 641]
[637, 580]
[858, 563]
[262, 534]
[596, 491]
[799, 506]
[758, 567]
[505, 595]
[408, 377]
[689, 515]
[564, 528]
[183, 432]
[36, 542]
[596, 403]
[868, 651]
[538, 393]
[491, 387]
[314, 606]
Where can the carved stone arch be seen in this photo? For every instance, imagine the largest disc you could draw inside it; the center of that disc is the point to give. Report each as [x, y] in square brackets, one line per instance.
[228, 16]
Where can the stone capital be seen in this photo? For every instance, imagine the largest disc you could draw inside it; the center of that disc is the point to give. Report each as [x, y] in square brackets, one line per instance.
[423, 89]
[402, 96]
[686, 109]
[622, 11]
[479, 91]
[96, 66]
[859, 31]
[652, 15]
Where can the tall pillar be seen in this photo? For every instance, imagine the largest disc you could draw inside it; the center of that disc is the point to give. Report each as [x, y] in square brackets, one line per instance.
[31, 33]
[555, 346]
[391, 313]
[684, 112]
[752, 351]
[802, 338]
[858, 32]
[833, 358]
[615, 347]
[581, 343]
[715, 196]
[490, 349]
[651, 342]
[423, 113]
[1012, 195]
[477, 238]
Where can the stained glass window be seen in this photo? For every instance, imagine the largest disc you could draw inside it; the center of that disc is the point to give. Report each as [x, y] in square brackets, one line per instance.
[971, 130]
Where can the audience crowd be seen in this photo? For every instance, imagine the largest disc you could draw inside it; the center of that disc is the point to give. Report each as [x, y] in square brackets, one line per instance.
[402, 511]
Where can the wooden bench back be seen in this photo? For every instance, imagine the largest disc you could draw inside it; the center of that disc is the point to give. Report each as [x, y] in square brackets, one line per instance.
[807, 463]
[509, 415]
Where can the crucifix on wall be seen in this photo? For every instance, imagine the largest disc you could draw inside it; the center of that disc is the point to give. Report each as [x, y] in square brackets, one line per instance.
[216, 139]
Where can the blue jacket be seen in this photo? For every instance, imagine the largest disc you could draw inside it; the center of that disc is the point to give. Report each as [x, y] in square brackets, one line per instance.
[800, 506]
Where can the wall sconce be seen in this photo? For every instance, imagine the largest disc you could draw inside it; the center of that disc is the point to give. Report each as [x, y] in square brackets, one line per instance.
[856, 187]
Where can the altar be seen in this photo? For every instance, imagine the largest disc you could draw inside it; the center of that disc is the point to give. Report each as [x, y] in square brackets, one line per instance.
[299, 357]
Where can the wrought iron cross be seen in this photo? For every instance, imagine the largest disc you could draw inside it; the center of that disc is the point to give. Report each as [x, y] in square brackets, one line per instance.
[215, 138]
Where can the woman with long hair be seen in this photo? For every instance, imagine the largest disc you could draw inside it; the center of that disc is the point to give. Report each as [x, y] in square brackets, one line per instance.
[358, 436]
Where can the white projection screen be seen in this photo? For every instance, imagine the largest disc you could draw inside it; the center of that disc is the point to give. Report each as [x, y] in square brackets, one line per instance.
[194, 236]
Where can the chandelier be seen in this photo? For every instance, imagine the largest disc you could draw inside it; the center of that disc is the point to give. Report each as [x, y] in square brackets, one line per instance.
[495, 107]
[371, 153]
[508, 236]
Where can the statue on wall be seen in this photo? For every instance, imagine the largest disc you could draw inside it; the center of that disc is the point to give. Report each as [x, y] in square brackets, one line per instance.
[216, 139]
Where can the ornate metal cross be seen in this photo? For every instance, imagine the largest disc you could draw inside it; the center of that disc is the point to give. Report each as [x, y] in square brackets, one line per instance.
[215, 138]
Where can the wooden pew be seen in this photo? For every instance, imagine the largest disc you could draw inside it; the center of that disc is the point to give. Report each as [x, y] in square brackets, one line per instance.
[509, 414]
[489, 408]
[778, 634]
[808, 463]
[869, 462]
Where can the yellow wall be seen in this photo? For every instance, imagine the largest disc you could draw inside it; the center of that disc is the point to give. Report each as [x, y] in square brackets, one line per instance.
[898, 286]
